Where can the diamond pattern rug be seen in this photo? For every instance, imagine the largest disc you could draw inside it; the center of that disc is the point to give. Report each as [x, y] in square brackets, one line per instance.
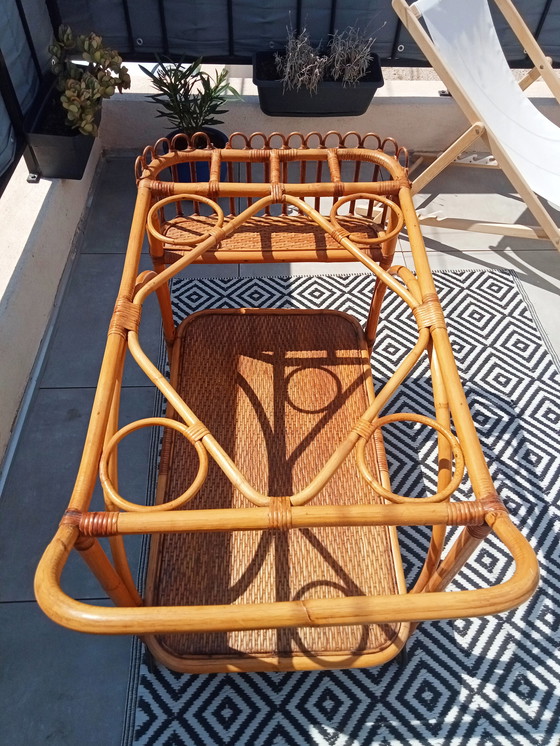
[470, 681]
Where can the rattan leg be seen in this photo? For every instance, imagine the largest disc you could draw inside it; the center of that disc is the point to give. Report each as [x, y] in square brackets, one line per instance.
[98, 562]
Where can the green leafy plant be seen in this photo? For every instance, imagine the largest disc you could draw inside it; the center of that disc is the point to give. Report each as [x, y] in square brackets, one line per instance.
[346, 57]
[189, 97]
[84, 86]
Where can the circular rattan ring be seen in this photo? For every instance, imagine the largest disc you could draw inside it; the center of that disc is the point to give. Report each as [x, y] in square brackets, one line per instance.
[371, 198]
[447, 434]
[183, 198]
[120, 501]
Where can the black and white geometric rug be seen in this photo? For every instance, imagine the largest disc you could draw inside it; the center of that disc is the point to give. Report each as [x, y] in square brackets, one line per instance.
[471, 681]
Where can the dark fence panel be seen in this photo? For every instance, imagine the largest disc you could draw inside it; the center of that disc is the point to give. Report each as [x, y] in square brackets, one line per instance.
[24, 36]
[234, 29]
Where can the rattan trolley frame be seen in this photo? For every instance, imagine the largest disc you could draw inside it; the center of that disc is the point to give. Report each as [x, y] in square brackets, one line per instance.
[274, 542]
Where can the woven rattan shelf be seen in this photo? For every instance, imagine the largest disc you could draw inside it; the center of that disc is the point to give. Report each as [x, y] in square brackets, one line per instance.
[274, 532]
[279, 411]
[280, 238]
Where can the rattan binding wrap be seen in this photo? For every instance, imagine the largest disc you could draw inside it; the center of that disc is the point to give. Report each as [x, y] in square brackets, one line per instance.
[279, 409]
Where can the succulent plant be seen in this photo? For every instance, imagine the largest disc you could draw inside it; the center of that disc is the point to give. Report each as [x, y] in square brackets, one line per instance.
[84, 86]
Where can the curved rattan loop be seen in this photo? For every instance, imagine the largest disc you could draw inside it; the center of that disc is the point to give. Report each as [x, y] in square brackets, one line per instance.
[148, 151]
[254, 139]
[181, 142]
[182, 198]
[131, 507]
[393, 142]
[376, 138]
[352, 133]
[377, 198]
[283, 140]
[317, 136]
[423, 420]
[162, 146]
[301, 144]
[242, 136]
[330, 136]
[403, 152]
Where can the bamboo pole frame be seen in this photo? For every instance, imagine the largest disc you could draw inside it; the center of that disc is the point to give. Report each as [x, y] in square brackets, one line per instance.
[354, 610]
[81, 529]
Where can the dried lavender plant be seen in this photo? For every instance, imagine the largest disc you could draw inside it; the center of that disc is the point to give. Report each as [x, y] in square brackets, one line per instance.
[350, 54]
[302, 64]
[346, 57]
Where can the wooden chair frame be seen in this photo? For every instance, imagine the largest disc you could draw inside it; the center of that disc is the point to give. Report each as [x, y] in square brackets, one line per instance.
[82, 529]
[546, 229]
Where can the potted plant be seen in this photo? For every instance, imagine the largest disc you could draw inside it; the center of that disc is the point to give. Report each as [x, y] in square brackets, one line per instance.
[338, 78]
[190, 98]
[61, 131]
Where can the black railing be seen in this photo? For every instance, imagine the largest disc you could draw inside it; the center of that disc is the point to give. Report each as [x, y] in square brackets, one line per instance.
[11, 102]
[143, 20]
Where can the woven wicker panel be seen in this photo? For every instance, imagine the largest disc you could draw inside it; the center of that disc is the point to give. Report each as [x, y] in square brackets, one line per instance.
[279, 391]
[270, 237]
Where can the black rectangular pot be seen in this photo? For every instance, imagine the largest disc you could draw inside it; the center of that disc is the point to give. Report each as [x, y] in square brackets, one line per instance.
[58, 156]
[61, 156]
[331, 99]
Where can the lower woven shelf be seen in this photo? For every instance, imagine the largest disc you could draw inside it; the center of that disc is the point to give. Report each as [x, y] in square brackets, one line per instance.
[279, 390]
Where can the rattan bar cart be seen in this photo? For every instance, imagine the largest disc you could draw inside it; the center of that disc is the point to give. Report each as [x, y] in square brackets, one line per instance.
[274, 530]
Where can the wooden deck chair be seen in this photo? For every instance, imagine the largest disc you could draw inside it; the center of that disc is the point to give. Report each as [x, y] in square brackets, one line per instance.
[464, 50]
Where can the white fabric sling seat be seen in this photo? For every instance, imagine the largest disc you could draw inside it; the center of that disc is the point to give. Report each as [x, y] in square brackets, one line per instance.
[463, 48]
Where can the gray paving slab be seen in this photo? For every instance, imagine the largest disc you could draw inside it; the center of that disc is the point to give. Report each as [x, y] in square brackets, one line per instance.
[41, 478]
[109, 215]
[288, 269]
[476, 194]
[59, 687]
[211, 270]
[76, 348]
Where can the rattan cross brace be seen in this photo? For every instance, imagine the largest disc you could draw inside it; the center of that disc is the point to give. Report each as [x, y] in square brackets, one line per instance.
[279, 515]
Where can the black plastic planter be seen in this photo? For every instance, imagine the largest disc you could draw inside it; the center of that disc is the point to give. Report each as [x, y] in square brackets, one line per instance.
[58, 156]
[331, 98]
[61, 156]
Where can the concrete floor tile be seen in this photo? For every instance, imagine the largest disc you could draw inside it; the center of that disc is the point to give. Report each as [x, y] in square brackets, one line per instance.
[477, 194]
[211, 270]
[59, 687]
[41, 478]
[78, 342]
[291, 269]
[110, 213]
